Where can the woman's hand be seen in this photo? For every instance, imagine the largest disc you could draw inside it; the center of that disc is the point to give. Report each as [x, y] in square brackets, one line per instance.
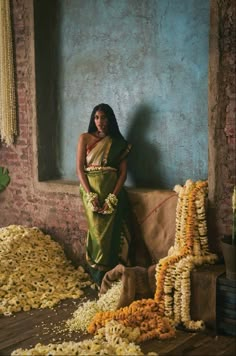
[80, 161]
[92, 201]
[109, 205]
[103, 209]
[96, 204]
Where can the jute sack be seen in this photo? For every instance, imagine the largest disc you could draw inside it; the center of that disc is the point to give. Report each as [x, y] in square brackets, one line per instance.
[137, 283]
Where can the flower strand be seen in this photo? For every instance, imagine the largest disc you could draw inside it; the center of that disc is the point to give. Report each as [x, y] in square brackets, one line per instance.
[91, 198]
[8, 127]
[111, 202]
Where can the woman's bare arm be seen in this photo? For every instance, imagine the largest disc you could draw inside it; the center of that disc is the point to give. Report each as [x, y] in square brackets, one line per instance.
[119, 184]
[80, 162]
[122, 174]
[121, 178]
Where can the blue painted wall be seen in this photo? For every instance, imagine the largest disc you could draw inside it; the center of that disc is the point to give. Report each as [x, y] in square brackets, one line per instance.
[149, 61]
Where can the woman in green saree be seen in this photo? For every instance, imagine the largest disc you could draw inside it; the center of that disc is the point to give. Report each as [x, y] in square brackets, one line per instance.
[102, 170]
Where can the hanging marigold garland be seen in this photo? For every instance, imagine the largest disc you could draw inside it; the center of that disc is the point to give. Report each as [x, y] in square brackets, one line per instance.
[8, 127]
[157, 318]
[173, 287]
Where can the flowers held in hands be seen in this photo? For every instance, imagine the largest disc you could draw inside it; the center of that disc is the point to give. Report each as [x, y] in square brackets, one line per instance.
[108, 207]
[110, 204]
[93, 202]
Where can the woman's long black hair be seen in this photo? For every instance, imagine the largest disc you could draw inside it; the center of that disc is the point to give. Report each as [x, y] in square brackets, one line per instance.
[113, 128]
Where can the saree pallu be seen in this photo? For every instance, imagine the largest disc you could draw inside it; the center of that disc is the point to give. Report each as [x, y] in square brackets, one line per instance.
[108, 236]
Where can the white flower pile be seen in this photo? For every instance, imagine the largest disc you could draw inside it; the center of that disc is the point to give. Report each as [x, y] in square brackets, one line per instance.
[34, 271]
[113, 339]
[111, 202]
[85, 313]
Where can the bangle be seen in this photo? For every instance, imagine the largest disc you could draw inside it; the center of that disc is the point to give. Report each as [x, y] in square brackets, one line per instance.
[111, 202]
[90, 197]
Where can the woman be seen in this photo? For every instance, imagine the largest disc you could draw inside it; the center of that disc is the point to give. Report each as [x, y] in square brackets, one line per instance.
[102, 170]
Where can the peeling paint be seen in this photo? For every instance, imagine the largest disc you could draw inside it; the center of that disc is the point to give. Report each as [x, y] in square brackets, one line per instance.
[149, 61]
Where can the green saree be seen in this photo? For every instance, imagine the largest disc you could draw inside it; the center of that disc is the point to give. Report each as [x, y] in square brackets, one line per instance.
[108, 236]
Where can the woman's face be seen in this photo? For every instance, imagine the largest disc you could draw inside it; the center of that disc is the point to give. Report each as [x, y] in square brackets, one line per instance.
[101, 121]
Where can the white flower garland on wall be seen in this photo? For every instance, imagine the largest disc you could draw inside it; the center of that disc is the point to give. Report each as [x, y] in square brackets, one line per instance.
[8, 128]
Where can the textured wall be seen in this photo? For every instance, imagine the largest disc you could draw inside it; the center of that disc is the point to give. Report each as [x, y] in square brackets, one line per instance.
[149, 61]
[61, 213]
[227, 89]
[222, 117]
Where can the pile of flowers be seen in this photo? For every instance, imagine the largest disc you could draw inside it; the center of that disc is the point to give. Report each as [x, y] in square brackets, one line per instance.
[118, 332]
[157, 318]
[34, 271]
[87, 310]
[144, 314]
[113, 339]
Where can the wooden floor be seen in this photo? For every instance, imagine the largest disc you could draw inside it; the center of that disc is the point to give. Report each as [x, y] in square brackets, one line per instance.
[26, 329]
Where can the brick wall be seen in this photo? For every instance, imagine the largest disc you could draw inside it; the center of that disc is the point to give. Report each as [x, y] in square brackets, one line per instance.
[222, 117]
[61, 214]
[22, 203]
[227, 92]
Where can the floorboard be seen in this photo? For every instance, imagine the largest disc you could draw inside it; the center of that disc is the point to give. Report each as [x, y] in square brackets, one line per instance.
[26, 329]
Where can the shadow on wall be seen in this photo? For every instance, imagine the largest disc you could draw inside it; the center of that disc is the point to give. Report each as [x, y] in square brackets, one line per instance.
[143, 168]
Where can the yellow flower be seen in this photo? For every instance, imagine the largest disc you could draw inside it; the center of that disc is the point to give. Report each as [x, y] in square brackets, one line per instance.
[25, 275]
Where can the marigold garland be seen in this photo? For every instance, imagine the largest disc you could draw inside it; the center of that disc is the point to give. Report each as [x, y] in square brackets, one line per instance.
[156, 318]
[190, 250]
[144, 314]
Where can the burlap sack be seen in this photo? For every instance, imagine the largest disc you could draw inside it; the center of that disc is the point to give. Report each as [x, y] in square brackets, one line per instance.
[137, 283]
[155, 215]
